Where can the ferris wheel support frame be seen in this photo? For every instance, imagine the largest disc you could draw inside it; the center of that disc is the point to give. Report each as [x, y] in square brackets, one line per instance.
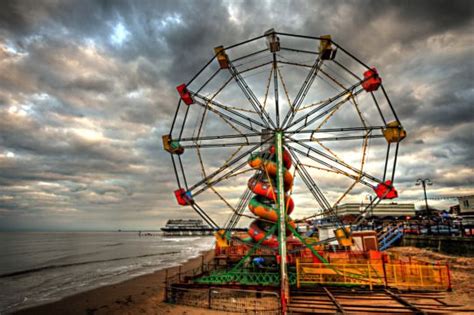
[226, 113]
[282, 134]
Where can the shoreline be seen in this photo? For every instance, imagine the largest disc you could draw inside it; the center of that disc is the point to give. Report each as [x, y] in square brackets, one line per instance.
[145, 294]
[139, 295]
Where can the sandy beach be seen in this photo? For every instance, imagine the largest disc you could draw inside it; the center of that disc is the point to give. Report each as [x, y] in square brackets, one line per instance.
[140, 295]
[145, 294]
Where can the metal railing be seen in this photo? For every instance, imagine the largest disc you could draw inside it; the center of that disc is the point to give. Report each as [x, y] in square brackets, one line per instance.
[396, 274]
[185, 276]
[223, 299]
[340, 274]
[418, 276]
[226, 299]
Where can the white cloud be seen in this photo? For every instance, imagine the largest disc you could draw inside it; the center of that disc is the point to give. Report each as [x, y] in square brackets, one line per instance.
[120, 34]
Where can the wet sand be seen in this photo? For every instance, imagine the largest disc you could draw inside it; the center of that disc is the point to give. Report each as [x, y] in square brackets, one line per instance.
[140, 295]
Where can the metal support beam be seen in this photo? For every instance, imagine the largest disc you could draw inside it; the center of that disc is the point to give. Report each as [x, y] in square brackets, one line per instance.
[228, 109]
[340, 309]
[275, 95]
[223, 167]
[399, 299]
[285, 290]
[253, 100]
[336, 163]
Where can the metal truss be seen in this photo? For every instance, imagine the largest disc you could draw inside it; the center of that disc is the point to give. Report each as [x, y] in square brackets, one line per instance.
[309, 126]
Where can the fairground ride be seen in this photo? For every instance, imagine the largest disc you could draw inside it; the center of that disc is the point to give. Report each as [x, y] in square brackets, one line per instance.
[264, 118]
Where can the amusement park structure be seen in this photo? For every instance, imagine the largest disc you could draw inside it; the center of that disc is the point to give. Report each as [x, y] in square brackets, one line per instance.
[265, 119]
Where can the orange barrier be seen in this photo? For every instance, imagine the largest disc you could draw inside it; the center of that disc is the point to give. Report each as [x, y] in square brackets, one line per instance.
[412, 275]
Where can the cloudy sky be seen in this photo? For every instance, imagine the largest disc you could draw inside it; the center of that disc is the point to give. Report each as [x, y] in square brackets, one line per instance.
[87, 88]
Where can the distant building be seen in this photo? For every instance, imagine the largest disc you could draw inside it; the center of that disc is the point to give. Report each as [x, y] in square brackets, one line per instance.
[466, 205]
[466, 209]
[186, 227]
[381, 210]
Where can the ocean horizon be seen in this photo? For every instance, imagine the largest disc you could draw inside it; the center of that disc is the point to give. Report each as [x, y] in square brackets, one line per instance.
[41, 267]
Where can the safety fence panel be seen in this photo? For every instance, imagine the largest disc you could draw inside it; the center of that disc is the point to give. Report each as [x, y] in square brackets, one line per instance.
[343, 274]
[396, 275]
[226, 299]
[418, 276]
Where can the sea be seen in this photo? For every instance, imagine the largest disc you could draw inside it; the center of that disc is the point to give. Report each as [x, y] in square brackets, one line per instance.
[40, 267]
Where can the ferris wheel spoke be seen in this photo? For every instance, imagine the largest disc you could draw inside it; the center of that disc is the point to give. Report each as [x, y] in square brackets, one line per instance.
[245, 154]
[228, 109]
[219, 137]
[342, 129]
[310, 184]
[343, 138]
[330, 209]
[290, 104]
[275, 85]
[209, 184]
[253, 100]
[329, 112]
[307, 119]
[333, 110]
[243, 201]
[370, 132]
[229, 119]
[255, 67]
[315, 190]
[335, 163]
[324, 74]
[321, 106]
[332, 79]
[308, 82]
[205, 216]
[219, 145]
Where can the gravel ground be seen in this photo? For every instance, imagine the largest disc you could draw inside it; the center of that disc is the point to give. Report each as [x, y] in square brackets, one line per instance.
[462, 272]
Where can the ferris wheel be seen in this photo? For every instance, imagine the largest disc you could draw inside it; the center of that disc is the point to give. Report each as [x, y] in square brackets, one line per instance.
[269, 128]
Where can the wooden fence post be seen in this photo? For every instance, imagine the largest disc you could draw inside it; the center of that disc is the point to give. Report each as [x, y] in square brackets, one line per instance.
[449, 277]
[298, 273]
[370, 276]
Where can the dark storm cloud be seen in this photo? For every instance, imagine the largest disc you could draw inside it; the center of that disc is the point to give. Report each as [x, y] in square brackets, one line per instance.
[87, 90]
